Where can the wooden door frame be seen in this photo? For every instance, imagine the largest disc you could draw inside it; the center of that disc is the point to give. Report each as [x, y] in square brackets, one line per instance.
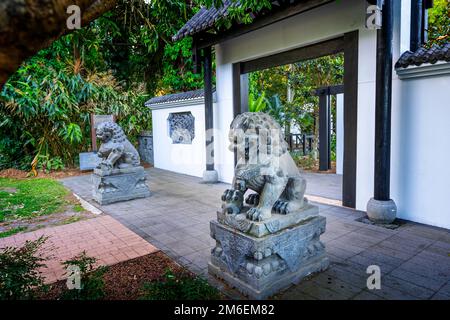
[348, 44]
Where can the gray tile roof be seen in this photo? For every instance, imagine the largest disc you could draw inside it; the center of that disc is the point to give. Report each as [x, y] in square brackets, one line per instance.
[203, 20]
[424, 55]
[176, 97]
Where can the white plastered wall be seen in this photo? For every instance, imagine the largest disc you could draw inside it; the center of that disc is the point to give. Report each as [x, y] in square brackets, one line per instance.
[420, 148]
[183, 158]
[420, 178]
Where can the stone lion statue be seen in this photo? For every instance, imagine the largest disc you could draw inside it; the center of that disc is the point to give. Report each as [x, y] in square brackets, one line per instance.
[116, 151]
[265, 166]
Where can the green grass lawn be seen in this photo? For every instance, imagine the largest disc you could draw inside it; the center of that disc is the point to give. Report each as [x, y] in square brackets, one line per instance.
[29, 198]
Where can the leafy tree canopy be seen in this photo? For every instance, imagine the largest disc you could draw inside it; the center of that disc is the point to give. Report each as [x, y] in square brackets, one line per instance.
[110, 66]
[439, 22]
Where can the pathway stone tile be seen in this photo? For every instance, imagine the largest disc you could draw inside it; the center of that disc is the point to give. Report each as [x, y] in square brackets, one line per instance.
[440, 296]
[434, 271]
[339, 251]
[367, 295]
[392, 294]
[439, 248]
[356, 279]
[445, 290]
[311, 288]
[344, 288]
[365, 262]
[401, 245]
[381, 258]
[294, 294]
[418, 279]
[402, 255]
[430, 232]
[406, 287]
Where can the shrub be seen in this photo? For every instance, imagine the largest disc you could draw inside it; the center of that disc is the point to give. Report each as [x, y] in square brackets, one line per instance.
[304, 162]
[179, 287]
[91, 279]
[19, 275]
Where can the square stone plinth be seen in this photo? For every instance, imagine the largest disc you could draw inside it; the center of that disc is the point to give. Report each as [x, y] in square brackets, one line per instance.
[262, 266]
[274, 224]
[119, 185]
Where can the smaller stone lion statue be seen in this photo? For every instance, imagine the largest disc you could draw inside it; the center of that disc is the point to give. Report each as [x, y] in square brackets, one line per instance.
[116, 151]
[265, 166]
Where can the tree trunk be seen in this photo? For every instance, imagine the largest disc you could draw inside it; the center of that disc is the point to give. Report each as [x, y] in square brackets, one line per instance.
[315, 144]
[27, 26]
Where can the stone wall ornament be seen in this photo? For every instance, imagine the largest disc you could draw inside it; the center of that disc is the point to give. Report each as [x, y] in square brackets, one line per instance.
[118, 176]
[145, 146]
[272, 238]
[181, 127]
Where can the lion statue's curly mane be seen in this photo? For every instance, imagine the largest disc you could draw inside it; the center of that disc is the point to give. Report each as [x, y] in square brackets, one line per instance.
[253, 126]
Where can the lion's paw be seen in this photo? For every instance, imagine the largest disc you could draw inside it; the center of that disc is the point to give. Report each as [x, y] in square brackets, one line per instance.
[281, 207]
[257, 214]
[231, 195]
[252, 199]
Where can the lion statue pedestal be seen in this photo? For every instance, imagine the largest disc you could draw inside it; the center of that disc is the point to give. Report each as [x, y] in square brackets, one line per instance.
[272, 239]
[118, 176]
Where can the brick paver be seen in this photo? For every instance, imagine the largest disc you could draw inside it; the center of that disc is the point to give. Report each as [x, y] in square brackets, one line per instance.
[414, 259]
[103, 238]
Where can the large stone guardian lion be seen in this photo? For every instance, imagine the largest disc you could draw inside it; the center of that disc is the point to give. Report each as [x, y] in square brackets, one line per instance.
[264, 166]
[272, 239]
[118, 176]
[116, 151]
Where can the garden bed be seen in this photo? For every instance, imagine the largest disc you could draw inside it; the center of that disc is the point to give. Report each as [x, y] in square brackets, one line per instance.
[309, 164]
[154, 276]
[22, 174]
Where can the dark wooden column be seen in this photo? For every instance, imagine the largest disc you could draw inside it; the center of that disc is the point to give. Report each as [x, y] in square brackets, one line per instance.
[417, 24]
[244, 92]
[209, 117]
[236, 75]
[383, 105]
[350, 118]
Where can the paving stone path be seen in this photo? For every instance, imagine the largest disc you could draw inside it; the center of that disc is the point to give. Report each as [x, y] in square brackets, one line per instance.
[414, 259]
[103, 238]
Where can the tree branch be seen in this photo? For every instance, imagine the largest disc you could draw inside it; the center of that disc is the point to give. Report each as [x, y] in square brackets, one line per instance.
[27, 26]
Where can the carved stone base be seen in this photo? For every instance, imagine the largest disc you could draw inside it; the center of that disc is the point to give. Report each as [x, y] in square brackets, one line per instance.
[261, 267]
[119, 185]
[272, 225]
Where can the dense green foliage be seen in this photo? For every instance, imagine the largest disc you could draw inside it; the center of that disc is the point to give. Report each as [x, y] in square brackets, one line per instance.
[31, 198]
[12, 231]
[179, 287]
[288, 91]
[20, 278]
[439, 22]
[92, 284]
[19, 270]
[111, 66]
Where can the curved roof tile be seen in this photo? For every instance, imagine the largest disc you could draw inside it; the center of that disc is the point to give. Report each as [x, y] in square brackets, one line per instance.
[423, 55]
[177, 97]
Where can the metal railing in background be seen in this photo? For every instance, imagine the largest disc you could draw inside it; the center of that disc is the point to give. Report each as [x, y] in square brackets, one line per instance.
[300, 142]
